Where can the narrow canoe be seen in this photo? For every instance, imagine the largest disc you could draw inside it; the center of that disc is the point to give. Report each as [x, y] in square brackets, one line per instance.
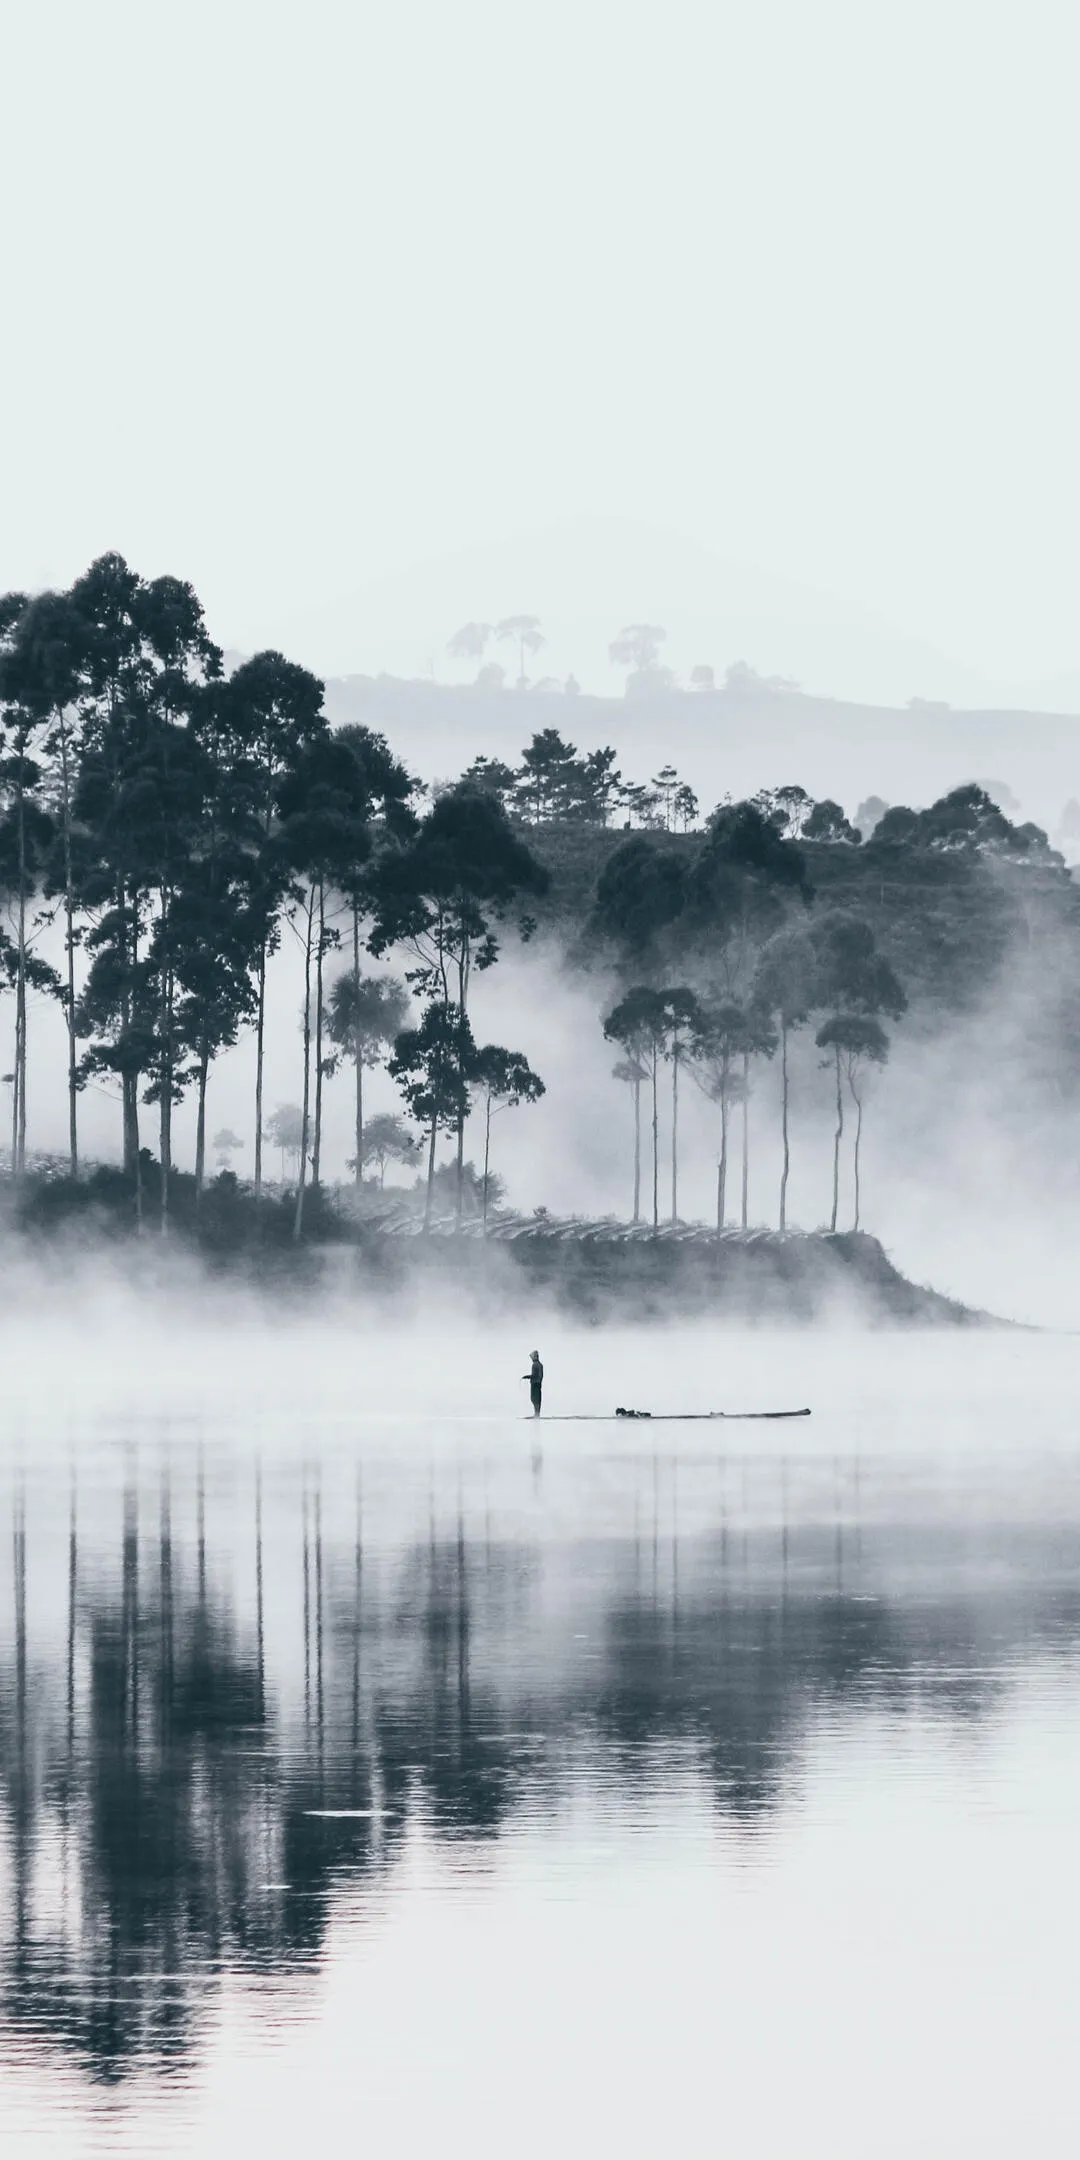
[663, 1417]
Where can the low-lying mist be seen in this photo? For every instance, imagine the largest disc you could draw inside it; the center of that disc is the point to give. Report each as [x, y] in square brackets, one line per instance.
[112, 1359]
[970, 1166]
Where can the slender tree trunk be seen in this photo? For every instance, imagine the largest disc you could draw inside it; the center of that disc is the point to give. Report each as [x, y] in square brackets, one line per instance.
[200, 1121]
[131, 1082]
[19, 1157]
[260, 1653]
[260, 1034]
[857, 1099]
[22, 1080]
[69, 944]
[167, 1165]
[675, 1136]
[722, 1165]
[463, 991]
[836, 1146]
[430, 1195]
[129, 1089]
[129, 1096]
[637, 1151]
[487, 1155]
[165, 1104]
[655, 1153]
[138, 1157]
[260, 1013]
[15, 1105]
[784, 1123]
[73, 1579]
[745, 1140]
[459, 1197]
[316, 1156]
[359, 1049]
[305, 1115]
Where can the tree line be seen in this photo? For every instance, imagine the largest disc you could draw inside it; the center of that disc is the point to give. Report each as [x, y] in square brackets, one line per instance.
[556, 784]
[725, 960]
[637, 649]
[179, 822]
[721, 1037]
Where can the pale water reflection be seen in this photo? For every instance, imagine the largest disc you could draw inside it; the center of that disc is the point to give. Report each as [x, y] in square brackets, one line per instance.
[442, 1783]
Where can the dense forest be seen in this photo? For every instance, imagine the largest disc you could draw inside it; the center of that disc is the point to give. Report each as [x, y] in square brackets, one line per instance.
[172, 818]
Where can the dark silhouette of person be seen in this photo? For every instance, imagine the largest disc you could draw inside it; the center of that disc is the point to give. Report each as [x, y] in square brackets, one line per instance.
[535, 1378]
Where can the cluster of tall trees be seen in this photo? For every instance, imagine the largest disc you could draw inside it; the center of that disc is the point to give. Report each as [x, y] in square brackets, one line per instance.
[556, 784]
[180, 821]
[763, 968]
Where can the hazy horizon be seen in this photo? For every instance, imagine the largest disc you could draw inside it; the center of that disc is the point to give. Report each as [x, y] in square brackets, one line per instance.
[783, 286]
[410, 1738]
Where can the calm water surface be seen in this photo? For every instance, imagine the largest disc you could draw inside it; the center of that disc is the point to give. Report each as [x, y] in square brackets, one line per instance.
[377, 1775]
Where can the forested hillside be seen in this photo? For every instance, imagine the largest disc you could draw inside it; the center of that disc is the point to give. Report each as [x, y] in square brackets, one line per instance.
[736, 737]
[173, 823]
[947, 917]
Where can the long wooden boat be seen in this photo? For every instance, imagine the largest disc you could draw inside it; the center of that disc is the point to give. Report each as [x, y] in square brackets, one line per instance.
[664, 1417]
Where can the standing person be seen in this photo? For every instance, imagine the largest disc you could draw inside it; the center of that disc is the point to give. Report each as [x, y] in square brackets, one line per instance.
[535, 1378]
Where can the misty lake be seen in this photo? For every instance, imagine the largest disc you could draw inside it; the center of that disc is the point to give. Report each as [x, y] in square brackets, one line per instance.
[382, 1772]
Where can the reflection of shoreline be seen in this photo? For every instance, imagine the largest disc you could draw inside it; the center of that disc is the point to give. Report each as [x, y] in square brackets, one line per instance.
[165, 1763]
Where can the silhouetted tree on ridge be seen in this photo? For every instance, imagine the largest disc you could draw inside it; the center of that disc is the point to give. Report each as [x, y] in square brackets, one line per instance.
[637, 648]
[523, 631]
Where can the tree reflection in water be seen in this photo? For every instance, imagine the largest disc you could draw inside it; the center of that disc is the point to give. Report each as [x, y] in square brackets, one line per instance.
[176, 1801]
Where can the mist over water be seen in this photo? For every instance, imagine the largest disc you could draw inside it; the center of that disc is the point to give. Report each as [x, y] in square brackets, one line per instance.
[375, 1756]
[615, 412]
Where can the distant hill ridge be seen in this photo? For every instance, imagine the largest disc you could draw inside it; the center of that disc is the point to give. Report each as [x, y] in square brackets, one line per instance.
[736, 739]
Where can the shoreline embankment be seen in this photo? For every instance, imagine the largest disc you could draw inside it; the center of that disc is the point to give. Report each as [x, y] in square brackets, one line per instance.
[598, 1271]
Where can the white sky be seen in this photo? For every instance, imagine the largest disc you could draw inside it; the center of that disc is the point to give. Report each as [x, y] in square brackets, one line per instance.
[296, 298]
